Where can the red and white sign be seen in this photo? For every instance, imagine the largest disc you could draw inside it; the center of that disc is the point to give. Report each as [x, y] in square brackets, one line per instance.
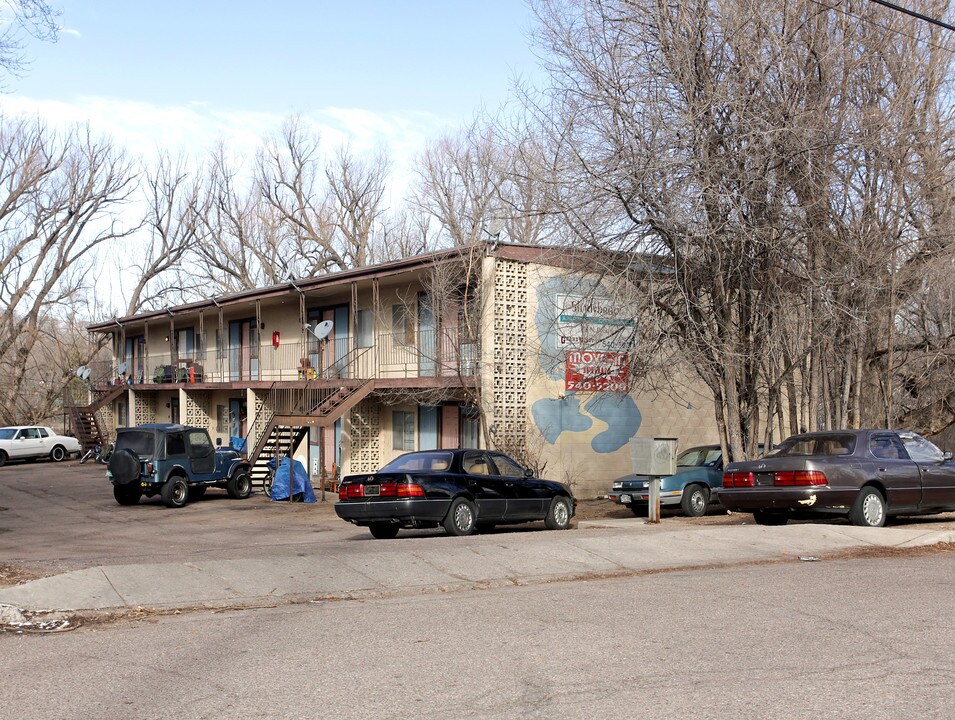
[596, 371]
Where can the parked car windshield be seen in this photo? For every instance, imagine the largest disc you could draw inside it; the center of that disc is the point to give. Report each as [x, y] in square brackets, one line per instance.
[815, 445]
[419, 461]
[141, 442]
[7, 433]
[920, 449]
[699, 457]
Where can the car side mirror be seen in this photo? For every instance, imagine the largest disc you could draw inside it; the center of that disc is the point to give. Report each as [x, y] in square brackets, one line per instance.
[528, 473]
[218, 442]
[947, 455]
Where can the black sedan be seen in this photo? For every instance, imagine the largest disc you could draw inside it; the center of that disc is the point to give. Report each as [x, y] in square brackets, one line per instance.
[463, 490]
[867, 475]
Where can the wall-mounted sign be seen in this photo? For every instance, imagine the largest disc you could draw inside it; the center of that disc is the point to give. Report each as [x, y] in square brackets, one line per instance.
[591, 323]
[596, 371]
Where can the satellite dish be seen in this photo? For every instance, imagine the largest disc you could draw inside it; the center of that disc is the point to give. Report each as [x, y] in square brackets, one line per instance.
[322, 329]
[123, 367]
[86, 373]
[80, 370]
[494, 227]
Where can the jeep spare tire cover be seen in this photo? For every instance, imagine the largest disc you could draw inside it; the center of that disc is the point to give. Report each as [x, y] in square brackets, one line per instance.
[124, 466]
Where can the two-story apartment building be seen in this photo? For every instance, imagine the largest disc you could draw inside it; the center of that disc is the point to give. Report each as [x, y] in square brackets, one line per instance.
[501, 345]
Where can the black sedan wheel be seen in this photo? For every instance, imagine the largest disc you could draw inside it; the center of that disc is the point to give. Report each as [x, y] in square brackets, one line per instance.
[762, 517]
[383, 531]
[869, 508]
[126, 494]
[58, 453]
[460, 519]
[558, 516]
[175, 492]
[695, 499]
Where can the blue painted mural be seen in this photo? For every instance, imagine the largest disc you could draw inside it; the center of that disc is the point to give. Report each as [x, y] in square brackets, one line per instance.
[554, 416]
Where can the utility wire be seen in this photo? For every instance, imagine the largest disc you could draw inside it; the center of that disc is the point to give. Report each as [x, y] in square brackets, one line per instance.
[841, 9]
[913, 13]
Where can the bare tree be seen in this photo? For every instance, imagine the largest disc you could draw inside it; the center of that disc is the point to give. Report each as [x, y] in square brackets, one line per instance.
[786, 165]
[239, 245]
[329, 212]
[458, 186]
[174, 222]
[21, 18]
[59, 203]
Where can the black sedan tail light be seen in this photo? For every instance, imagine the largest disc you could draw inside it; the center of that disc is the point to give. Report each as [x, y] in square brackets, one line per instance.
[388, 489]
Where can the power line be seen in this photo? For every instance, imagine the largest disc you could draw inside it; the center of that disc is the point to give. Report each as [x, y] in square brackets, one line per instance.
[913, 13]
[841, 9]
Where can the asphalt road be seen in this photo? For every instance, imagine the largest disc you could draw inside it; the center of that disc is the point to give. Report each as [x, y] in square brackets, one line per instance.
[836, 639]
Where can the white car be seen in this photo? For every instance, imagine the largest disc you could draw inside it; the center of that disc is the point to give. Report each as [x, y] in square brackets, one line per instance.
[19, 442]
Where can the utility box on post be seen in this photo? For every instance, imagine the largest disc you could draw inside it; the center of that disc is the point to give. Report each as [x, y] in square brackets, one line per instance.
[654, 458]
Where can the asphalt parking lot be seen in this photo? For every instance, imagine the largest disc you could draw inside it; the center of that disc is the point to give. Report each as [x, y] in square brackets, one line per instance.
[58, 517]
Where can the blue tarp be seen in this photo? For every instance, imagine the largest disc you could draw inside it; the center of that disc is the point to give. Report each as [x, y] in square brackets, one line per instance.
[301, 483]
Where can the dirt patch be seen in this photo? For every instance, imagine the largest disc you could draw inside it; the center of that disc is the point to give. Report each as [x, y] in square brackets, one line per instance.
[863, 553]
[604, 508]
[13, 575]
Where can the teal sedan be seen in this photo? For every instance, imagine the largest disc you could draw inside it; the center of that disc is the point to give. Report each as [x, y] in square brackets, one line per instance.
[699, 471]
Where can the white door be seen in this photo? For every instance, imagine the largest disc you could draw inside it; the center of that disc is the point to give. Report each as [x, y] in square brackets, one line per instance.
[27, 443]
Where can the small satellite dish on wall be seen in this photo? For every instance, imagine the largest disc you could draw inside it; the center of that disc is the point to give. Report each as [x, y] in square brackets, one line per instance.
[123, 367]
[322, 329]
[80, 370]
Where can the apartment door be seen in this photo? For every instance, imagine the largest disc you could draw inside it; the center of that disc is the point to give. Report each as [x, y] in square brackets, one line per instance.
[243, 350]
[134, 356]
[237, 417]
[330, 355]
[427, 337]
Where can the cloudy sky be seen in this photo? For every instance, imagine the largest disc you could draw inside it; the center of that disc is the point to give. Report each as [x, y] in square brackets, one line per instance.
[184, 74]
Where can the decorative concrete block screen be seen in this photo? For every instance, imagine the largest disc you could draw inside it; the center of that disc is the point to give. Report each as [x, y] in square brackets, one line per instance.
[510, 353]
[144, 409]
[365, 425]
[197, 409]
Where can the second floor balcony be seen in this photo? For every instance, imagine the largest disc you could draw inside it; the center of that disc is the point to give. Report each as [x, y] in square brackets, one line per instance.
[390, 357]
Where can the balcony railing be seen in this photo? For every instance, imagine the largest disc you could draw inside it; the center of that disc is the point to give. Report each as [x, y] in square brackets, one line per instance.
[430, 355]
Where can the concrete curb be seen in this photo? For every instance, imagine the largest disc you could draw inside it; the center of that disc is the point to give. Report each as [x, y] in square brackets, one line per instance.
[599, 549]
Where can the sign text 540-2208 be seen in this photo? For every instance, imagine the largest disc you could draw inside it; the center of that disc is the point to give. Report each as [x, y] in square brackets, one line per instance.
[596, 371]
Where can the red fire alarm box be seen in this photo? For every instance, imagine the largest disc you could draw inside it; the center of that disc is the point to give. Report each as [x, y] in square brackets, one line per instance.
[275, 338]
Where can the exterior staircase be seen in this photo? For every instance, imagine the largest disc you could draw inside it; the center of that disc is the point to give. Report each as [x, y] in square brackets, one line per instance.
[286, 430]
[83, 422]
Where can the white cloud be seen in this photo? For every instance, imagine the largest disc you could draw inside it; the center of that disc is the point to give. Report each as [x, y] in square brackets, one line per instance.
[70, 31]
[194, 129]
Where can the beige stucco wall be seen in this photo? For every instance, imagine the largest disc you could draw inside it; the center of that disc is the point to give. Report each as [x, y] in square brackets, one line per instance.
[582, 436]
